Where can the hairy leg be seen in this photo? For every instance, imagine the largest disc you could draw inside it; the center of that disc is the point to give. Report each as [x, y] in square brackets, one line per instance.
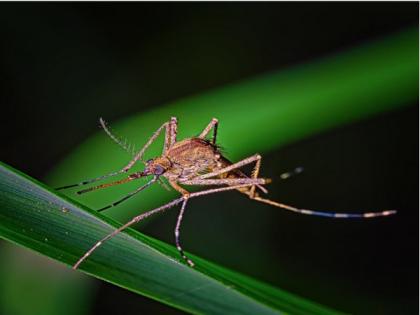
[139, 155]
[246, 161]
[337, 215]
[214, 123]
[167, 125]
[177, 228]
[151, 212]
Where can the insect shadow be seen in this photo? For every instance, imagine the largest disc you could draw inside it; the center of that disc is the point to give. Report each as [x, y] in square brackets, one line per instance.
[193, 161]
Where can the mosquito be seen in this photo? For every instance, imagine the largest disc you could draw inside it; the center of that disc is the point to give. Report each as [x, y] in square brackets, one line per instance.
[195, 161]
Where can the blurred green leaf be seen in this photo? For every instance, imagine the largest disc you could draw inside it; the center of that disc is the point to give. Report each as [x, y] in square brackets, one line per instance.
[33, 216]
[259, 115]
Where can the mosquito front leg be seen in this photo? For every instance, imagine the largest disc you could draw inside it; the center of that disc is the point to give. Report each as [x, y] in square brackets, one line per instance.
[139, 155]
[168, 142]
[149, 213]
[91, 180]
[214, 123]
[182, 191]
[122, 228]
[129, 195]
[185, 195]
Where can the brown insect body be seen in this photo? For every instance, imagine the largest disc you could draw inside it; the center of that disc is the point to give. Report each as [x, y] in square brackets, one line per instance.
[191, 157]
[195, 161]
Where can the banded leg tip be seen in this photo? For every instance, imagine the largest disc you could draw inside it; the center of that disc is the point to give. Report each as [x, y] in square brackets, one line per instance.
[380, 214]
[389, 212]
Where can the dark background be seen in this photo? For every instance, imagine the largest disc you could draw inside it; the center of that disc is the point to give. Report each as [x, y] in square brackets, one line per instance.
[63, 65]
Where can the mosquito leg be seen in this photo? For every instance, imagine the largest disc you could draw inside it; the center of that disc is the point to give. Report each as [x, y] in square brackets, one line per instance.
[129, 195]
[128, 224]
[226, 181]
[140, 154]
[173, 130]
[231, 167]
[137, 157]
[214, 123]
[177, 227]
[337, 215]
[149, 213]
[88, 181]
[255, 173]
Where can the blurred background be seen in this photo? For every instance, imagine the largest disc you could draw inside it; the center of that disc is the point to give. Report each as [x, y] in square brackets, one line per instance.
[64, 65]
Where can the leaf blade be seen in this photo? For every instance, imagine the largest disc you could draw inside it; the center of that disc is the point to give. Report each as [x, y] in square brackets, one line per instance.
[34, 216]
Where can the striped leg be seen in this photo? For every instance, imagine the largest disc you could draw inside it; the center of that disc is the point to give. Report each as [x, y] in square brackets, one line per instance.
[168, 126]
[227, 181]
[173, 130]
[214, 123]
[149, 213]
[255, 158]
[177, 227]
[337, 215]
[129, 195]
[169, 138]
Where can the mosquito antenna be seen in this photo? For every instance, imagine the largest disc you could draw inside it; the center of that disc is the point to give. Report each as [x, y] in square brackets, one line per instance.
[122, 142]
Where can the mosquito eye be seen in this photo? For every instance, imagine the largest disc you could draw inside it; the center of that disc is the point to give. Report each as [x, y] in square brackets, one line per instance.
[159, 170]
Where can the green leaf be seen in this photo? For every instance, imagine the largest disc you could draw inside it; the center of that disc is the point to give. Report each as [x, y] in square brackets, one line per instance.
[43, 220]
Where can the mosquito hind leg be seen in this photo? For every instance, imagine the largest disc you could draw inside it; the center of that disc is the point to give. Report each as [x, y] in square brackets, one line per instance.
[214, 123]
[337, 215]
[254, 158]
[91, 180]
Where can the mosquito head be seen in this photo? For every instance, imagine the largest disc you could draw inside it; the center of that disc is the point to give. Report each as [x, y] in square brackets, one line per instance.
[156, 166]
